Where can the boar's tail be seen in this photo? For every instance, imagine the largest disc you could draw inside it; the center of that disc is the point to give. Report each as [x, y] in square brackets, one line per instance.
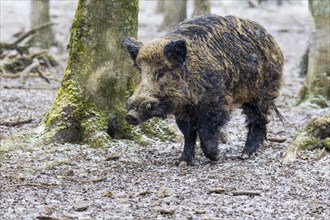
[278, 114]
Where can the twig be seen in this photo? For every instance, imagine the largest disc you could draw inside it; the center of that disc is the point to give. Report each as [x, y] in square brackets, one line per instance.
[96, 180]
[246, 193]
[15, 123]
[35, 185]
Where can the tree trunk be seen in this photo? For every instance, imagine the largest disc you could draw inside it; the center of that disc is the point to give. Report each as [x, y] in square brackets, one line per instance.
[175, 12]
[88, 107]
[201, 7]
[39, 15]
[317, 86]
[160, 6]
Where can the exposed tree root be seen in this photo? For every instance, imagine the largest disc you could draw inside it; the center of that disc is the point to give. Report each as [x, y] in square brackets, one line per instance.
[315, 135]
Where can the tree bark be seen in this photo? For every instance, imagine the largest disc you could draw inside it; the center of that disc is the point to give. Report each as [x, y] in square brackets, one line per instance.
[88, 107]
[201, 7]
[174, 13]
[317, 85]
[39, 15]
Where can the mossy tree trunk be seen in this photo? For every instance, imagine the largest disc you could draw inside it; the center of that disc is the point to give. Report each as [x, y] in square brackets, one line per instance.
[39, 15]
[201, 7]
[317, 86]
[174, 13]
[89, 106]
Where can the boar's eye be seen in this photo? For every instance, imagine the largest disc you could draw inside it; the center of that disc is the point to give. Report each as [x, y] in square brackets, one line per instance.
[160, 73]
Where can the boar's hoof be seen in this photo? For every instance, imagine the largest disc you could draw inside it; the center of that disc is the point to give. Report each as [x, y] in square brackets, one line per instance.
[132, 118]
[244, 156]
[188, 161]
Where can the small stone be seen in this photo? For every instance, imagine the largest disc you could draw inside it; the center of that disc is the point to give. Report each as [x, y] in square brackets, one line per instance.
[47, 210]
[69, 172]
[69, 215]
[164, 192]
[81, 205]
[112, 156]
[108, 194]
[143, 193]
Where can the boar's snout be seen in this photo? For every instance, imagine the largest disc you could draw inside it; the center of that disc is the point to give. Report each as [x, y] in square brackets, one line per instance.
[132, 117]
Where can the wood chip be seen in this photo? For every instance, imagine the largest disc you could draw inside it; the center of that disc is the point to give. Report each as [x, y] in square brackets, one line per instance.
[275, 139]
[217, 190]
[199, 211]
[246, 193]
[167, 211]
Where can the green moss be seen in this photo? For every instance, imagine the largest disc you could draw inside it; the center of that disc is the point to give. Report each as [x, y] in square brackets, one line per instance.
[157, 128]
[315, 134]
[4, 149]
[309, 143]
[326, 143]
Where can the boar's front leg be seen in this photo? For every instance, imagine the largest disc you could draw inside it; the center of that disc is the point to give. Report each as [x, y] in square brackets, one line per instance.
[209, 133]
[189, 132]
[256, 115]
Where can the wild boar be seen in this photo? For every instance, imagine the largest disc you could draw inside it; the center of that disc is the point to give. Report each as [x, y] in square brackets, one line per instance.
[200, 72]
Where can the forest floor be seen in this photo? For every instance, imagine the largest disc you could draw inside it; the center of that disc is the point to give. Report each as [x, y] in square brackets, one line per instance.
[128, 181]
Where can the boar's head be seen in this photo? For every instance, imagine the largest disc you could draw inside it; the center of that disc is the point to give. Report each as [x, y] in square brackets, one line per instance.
[162, 87]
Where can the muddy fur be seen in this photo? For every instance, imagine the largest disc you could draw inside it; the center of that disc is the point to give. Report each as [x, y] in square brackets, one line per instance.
[200, 72]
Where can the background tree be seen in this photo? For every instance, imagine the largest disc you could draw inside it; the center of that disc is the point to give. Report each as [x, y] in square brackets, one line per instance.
[317, 88]
[39, 15]
[174, 13]
[88, 106]
[201, 7]
[317, 85]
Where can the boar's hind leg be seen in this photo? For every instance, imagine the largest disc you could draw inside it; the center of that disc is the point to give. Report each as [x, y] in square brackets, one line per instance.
[209, 133]
[256, 123]
[190, 134]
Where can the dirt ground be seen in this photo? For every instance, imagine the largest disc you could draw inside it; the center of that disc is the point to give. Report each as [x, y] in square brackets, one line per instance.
[128, 181]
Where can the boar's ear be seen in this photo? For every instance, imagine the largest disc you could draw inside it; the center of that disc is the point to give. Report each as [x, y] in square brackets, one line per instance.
[133, 47]
[176, 52]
